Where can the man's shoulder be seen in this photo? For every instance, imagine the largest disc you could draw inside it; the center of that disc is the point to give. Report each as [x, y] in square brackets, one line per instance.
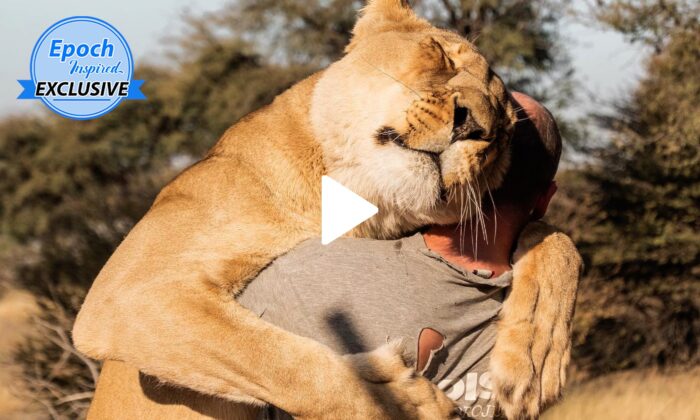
[345, 247]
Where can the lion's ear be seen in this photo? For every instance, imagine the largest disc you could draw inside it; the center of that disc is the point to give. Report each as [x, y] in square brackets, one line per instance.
[384, 15]
[389, 10]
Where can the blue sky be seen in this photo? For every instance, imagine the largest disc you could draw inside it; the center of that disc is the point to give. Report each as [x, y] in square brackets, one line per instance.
[605, 65]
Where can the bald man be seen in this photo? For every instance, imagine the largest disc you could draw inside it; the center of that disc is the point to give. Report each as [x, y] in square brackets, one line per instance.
[439, 290]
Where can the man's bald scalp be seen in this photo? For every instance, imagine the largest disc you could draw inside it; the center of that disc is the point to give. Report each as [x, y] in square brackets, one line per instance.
[535, 150]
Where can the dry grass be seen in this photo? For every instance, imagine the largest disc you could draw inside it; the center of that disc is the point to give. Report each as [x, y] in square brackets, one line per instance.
[635, 395]
[16, 311]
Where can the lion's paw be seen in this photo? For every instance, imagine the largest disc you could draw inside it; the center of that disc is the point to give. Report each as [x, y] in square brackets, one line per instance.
[514, 381]
[395, 390]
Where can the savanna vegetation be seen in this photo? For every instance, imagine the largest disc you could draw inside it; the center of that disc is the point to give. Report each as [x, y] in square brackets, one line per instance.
[71, 190]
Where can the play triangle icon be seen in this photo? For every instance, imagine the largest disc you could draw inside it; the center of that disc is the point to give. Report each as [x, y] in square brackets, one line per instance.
[341, 210]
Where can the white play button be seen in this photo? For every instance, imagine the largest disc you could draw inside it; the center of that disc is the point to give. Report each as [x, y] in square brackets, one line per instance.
[341, 210]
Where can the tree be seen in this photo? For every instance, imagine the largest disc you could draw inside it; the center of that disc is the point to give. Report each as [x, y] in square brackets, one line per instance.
[519, 38]
[637, 209]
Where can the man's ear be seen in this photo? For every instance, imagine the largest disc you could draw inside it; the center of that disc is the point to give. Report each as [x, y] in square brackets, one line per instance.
[383, 15]
[542, 202]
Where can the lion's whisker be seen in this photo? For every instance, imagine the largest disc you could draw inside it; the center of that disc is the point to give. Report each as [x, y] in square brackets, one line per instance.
[472, 219]
[392, 77]
[464, 218]
[481, 210]
[495, 213]
[462, 213]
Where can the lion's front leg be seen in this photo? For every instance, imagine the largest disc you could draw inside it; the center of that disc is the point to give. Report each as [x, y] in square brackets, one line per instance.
[529, 359]
[164, 304]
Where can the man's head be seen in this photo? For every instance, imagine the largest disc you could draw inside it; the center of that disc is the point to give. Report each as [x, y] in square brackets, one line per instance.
[535, 152]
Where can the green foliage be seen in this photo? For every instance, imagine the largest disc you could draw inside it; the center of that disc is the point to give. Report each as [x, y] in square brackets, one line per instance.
[650, 173]
[519, 38]
[651, 22]
[635, 213]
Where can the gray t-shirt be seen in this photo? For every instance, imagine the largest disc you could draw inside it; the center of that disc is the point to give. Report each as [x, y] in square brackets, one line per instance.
[355, 294]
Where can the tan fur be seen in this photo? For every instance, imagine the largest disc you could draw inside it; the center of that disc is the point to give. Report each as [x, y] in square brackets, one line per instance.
[125, 393]
[165, 301]
[533, 345]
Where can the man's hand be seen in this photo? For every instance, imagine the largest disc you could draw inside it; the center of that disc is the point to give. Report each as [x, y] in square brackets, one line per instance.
[379, 385]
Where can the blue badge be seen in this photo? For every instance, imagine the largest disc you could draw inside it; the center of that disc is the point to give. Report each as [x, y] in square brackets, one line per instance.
[81, 68]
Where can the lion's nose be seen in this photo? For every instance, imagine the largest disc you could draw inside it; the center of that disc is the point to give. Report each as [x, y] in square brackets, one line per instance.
[464, 127]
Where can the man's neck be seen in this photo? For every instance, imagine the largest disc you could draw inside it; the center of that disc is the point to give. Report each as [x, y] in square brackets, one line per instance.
[468, 247]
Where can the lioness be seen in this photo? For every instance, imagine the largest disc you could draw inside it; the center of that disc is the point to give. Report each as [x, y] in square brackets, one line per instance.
[413, 119]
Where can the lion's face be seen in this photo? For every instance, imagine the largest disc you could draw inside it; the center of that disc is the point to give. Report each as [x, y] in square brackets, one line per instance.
[413, 119]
